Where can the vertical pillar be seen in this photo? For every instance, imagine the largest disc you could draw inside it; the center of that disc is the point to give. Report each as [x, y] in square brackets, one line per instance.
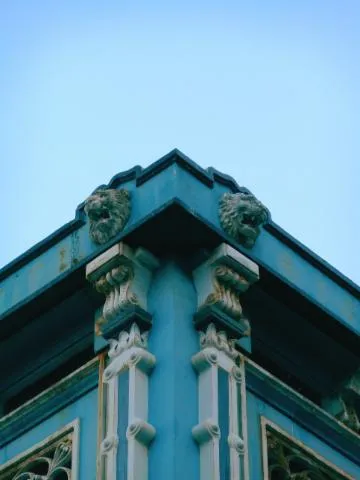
[173, 393]
[221, 432]
[124, 275]
[222, 429]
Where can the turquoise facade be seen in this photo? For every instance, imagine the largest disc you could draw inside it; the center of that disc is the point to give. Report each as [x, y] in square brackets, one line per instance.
[175, 350]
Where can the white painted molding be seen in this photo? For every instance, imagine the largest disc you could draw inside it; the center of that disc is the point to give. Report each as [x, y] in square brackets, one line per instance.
[222, 278]
[123, 275]
[217, 355]
[128, 355]
[218, 340]
[205, 431]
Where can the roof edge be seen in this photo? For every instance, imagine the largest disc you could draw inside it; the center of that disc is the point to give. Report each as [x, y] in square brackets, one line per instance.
[208, 177]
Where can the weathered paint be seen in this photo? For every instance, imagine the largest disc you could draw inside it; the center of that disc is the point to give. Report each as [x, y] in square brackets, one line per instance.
[224, 406]
[123, 421]
[84, 409]
[201, 198]
[173, 392]
[257, 409]
[173, 383]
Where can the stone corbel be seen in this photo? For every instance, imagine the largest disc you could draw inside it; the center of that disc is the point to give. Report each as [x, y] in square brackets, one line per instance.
[345, 404]
[123, 276]
[220, 281]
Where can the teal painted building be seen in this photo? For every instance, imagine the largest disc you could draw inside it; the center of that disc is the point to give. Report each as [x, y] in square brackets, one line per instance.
[172, 330]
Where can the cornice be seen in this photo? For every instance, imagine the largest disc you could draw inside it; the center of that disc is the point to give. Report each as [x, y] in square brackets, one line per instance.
[208, 177]
[139, 177]
[49, 402]
[269, 388]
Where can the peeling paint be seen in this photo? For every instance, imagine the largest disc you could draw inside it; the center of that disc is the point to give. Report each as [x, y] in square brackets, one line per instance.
[63, 265]
[286, 262]
[75, 249]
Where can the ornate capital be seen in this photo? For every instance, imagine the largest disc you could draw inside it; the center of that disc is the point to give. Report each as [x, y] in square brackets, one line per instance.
[108, 211]
[218, 340]
[133, 338]
[241, 216]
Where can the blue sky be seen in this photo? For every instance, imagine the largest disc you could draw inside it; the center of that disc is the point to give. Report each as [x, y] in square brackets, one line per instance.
[266, 91]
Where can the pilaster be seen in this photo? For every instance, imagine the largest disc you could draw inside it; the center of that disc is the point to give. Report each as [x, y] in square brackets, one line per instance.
[123, 276]
[221, 431]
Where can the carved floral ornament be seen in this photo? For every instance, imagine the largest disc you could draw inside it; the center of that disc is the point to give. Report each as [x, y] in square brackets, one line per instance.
[108, 211]
[219, 340]
[228, 285]
[241, 216]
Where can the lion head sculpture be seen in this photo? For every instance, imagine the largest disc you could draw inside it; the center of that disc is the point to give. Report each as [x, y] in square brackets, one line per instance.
[108, 211]
[241, 216]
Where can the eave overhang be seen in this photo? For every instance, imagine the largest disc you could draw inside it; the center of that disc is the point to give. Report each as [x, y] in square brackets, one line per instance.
[178, 190]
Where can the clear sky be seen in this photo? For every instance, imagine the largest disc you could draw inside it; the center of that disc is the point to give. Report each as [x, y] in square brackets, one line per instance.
[267, 91]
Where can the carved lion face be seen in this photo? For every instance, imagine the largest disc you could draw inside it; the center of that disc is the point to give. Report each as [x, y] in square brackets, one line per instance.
[241, 216]
[108, 211]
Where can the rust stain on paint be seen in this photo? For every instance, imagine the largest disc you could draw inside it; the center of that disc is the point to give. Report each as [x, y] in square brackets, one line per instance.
[63, 264]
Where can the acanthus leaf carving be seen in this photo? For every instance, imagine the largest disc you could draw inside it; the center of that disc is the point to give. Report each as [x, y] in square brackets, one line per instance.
[212, 338]
[220, 281]
[115, 284]
[127, 340]
[123, 276]
[228, 285]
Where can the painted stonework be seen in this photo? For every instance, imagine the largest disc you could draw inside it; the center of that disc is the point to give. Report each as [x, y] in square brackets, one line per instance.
[108, 211]
[241, 216]
[221, 432]
[221, 280]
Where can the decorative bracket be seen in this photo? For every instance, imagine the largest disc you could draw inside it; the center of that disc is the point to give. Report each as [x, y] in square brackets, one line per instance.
[345, 404]
[219, 283]
[123, 276]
